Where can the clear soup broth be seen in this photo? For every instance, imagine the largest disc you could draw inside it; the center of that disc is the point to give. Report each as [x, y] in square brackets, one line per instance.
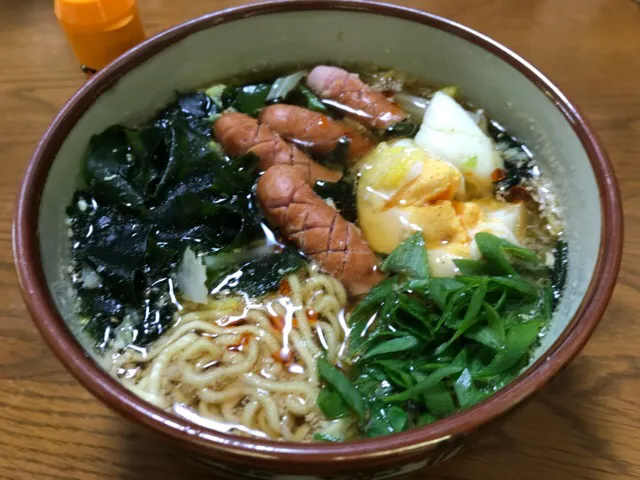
[324, 254]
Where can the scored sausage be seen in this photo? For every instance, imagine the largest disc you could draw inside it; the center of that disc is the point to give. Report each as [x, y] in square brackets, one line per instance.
[315, 131]
[240, 134]
[317, 229]
[364, 104]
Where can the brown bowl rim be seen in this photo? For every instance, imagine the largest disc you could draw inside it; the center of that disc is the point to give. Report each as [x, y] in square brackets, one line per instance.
[61, 341]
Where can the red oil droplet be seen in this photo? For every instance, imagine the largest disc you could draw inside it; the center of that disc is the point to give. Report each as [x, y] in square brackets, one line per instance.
[277, 322]
[244, 341]
[285, 288]
[283, 356]
[498, 174]
[323, 122]
[518, 194]
[312, 315]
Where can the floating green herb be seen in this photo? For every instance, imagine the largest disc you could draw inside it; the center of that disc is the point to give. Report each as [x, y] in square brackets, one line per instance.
[343, 386]
[332, 404]
[392, 346]
[423, 385]
[470, 163]
[409, 258]
[423, 348]
[325, 437]
[247, 99]
[311, 100]
[386, 420]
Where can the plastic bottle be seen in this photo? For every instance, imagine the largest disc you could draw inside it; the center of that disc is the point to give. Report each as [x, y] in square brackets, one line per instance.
[99, 30]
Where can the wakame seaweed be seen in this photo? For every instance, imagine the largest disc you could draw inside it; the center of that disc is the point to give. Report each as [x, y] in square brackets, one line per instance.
[251, 98]
[259, 274]
[438, 345]
[558, 272]
[150, 193]
[518, 163]
[337, 158]
[406, 128]
[248, 99]
[343, 195]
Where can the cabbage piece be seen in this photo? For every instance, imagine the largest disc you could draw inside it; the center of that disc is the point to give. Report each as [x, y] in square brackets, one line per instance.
[192, 277]
[449, 133]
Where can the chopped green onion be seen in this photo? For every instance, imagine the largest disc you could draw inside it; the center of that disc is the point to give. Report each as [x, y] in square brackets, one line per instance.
[284, 85]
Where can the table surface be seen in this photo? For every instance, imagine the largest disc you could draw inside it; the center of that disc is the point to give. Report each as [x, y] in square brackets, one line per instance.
[586, 425]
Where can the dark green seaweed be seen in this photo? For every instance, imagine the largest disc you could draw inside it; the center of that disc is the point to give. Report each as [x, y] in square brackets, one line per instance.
[152, 192]
[343, 195]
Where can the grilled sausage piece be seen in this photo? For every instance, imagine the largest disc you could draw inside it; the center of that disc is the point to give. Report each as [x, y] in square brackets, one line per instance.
[317, 229]
[369, 107]
[240, 134]
[315, 131]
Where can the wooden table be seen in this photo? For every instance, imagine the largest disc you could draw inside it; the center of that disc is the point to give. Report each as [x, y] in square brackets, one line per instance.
[585, 426]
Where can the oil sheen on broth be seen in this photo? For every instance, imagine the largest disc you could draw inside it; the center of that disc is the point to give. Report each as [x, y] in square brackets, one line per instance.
[320, 255]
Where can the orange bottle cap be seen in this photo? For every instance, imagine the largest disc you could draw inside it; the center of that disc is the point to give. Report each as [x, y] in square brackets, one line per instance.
[93, 12]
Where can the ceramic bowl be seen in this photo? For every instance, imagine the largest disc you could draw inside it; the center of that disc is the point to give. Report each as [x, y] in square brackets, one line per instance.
[310, 32]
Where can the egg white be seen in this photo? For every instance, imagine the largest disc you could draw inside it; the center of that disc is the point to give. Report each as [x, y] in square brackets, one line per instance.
[449, 133]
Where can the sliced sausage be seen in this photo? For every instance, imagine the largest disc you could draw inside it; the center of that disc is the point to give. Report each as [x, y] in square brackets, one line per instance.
[363, 103]
[315, 131]
[317, 229]
[240, 134]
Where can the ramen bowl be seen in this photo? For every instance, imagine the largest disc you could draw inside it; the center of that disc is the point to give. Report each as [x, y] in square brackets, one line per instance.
[278, 34]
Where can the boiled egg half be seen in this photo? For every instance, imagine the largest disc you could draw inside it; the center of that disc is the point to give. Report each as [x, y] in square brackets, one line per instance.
[403, 189]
